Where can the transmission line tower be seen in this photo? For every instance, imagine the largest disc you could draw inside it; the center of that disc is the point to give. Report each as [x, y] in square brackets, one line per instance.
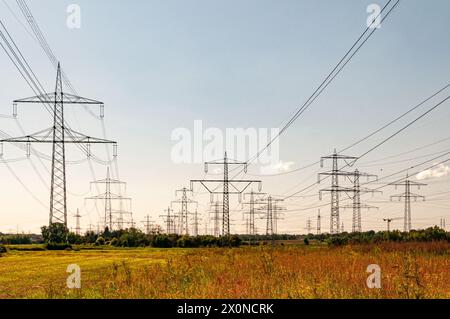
[442, 223]
[389, 221]
[195, 224]
[148, 224]
[183, 223]
[335, 188]
[308, 226]
[77, 227]
[108, 197]
[253, 201]
[215, 211]
[225, 191]
[318, 222]
[59, 135]
[407, 196]
[169, 220]
[271, 210]
[356, 196]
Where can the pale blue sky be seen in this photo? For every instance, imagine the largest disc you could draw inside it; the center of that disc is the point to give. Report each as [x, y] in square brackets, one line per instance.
[159, 65]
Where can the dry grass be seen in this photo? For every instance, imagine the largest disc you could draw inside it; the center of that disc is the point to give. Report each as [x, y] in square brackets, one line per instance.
[410, 270]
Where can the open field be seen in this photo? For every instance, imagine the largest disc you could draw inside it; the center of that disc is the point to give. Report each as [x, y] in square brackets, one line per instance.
[408, 270]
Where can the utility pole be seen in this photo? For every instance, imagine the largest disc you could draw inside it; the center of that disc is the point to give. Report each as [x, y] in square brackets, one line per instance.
[169, 219]
[107, 197]
[78, 228]
[226, 192]
[406, 196]
[335, 188]
[59, 135]
[318, 222]
[183, 217]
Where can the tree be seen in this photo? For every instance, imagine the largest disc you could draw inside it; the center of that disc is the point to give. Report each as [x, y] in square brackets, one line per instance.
[55, 233]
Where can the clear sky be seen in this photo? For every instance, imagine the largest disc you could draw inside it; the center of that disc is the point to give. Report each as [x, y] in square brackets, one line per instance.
[161, 65]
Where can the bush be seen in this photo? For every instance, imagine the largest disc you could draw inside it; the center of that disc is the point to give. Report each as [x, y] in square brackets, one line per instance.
[100, 241]
[114, 242]
[3, 249]
[58, 246]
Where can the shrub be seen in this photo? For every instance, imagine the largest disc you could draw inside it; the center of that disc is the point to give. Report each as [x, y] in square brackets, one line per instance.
[58, 246]
[114, 242]
[3, 249]
[100, 241]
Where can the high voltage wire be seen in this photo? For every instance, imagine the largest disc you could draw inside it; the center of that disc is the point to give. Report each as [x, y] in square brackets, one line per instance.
[382, 142]
[331, 76]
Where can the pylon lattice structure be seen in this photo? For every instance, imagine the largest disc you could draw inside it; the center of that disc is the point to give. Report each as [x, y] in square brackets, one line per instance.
[335, 189]
[195, 223]
[229, 187]
[77, 227]
[271, 210]
[308, 225]
[215, 211]
[318, 222]
[148, 225]
[59, 135]
[108, 197]
[356, 197]
[407, 196]
[169, 220]
[254, 199]
[183, 220]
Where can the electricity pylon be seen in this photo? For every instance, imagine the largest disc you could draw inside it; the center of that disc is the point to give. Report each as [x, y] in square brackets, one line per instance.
[148, 224]
[407, 195]
[442, 223]
[308, 226]
[356, 197]
[225, 191]
[195, 224]
[215, 211]
[108, 196]
[183, 224]
[271, 209]
[59, 135]
[389, 221]
[77, 227]
[169, 220]
[253, 200]
[318, 222]
[335, 188]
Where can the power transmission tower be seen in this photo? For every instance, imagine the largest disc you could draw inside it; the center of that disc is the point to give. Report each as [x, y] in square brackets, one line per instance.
[342, 227]
[271, 209]
[254, 197]
[148, 224]
[308, 226]
[442, 223]
[195, 223]
[335, 188]
[169, 219]
[215, 210]
[183, 224]
[389, 221]
[226, 192]
[318, 222]
[77, 227]
[59, 135]
[356, 196]
[406, 196]
[108, 196]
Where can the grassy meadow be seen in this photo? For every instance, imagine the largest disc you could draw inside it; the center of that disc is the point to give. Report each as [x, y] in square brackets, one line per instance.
[408, 270]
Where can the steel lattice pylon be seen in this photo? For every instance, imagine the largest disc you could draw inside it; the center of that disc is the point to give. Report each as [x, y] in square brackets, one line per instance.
[58, 135]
